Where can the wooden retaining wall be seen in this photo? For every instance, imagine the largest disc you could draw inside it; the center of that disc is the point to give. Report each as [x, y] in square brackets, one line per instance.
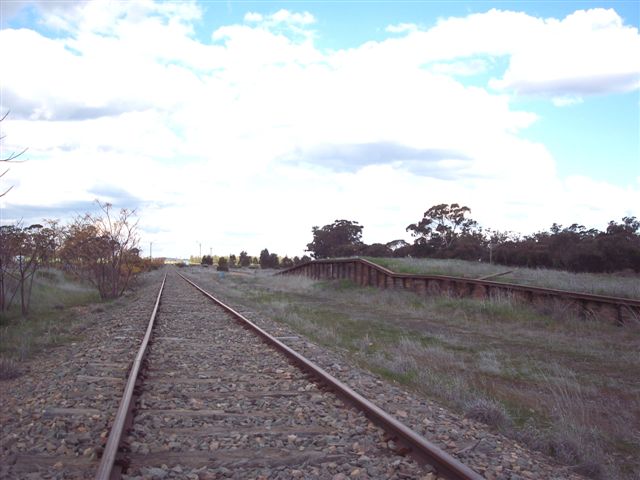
[368, 274]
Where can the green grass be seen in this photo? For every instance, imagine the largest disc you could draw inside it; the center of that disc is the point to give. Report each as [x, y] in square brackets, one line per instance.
[568, 388]
[617, 285]
[50, 320]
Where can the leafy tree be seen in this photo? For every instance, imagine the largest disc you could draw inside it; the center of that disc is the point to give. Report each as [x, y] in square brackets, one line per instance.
[441, 226]
[342, 238]
[223, 264]
[376, 250]
[574, 248]
[23, 251]
[620, 245]
[232, 261]
[287, 262]
[299, 260]
[264, 258]
[269, 260]
[469, 246]
[245, 260]
[442, 223]
[207, 260]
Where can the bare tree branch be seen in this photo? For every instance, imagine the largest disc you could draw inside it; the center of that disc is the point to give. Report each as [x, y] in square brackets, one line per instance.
[11, 158]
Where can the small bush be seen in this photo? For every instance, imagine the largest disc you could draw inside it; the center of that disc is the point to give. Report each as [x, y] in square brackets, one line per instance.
[223, 264]
[487, 411]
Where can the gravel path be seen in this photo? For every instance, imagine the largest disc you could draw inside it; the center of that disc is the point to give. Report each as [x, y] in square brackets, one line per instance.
[474, 444]
[54, 420]
[216, 402]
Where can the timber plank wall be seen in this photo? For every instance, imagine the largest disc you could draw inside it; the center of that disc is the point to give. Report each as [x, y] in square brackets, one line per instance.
[366, 273]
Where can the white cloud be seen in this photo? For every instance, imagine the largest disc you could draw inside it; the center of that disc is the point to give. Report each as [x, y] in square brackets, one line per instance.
[253, 17]
[296, 22]
[217, 143]
[285, 16]
[401, 28]
[588, 52]
[566, 101]
[473, 66]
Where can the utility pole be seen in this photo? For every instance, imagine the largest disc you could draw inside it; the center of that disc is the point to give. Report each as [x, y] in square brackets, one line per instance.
[150, 249]
[200, 244]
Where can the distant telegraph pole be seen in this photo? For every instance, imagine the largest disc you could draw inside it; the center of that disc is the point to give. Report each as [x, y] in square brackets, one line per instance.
[150, 249]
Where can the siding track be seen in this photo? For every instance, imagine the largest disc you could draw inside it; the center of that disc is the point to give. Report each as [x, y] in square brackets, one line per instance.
[212, 401]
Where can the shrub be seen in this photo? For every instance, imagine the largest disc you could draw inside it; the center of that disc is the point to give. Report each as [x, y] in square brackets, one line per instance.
[245, 259]
[223, 264]
[487, 411]
[269, 260]
[286, 262]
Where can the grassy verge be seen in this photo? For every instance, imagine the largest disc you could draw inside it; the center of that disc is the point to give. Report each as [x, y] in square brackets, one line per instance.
[568, 388]
[50, 321]
[618, 285]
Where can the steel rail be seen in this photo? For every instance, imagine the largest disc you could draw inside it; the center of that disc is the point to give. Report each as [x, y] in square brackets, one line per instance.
[108, 460]
[418, 446]
[592, 297]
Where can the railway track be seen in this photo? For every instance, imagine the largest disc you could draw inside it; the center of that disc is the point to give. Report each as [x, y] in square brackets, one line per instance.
[208, 399]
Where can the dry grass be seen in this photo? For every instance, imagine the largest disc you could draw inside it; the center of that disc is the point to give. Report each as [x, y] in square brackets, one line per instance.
[49, 322]
[569, 388]
[617, 285]
[9, 368]
[488, 411]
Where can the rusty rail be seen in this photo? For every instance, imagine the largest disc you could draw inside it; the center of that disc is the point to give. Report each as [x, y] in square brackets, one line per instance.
[107, 462]
[495, 275]
[366, 273]
[418, 446]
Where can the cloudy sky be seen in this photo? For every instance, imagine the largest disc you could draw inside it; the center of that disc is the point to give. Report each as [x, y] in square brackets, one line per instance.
[240, 125]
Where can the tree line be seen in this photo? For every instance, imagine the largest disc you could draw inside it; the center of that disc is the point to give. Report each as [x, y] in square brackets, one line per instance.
[99, 249]
[447, 231]
[266, 260]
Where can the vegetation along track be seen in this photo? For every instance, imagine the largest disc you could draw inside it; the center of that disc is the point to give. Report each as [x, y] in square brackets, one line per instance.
[211, 401]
